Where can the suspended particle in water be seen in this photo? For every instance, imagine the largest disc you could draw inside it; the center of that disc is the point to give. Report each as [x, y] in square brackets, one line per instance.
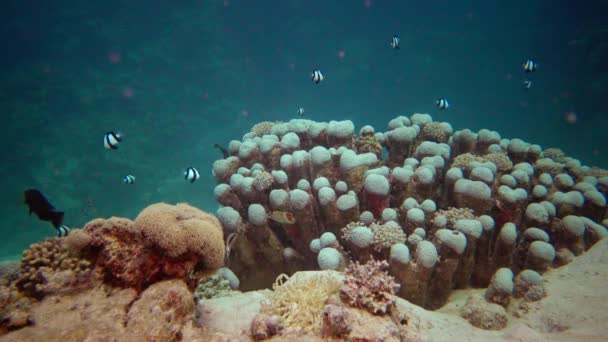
[128, 92]
[114, 57]
[571, 118]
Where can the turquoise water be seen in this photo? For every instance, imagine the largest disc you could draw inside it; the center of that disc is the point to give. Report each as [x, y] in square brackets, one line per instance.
[178, 77]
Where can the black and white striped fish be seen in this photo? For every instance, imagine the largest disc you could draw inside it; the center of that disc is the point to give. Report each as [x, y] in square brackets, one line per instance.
[111, 140]
[300, 111]
[129, 179]
[442, 103]
[316, 76]
[63, 231]
[395, 42]
[192, 174]
[527, 84]
[529, 66]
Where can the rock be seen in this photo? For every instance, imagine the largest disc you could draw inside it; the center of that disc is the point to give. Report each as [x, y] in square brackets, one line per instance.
[229, 315]
[160, 312]
[265, 326]
[484, 315]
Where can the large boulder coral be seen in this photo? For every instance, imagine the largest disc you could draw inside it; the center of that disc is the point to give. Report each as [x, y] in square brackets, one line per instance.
[163, 242]
[180, 230]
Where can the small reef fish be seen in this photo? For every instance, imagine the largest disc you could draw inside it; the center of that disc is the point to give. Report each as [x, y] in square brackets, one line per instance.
[111, 140]
[282, 217]
[223, 150]
[191, 174]
[63, 231]
[129, 179]
[442, 103]
[527, 84]
[300, 111]
[39, 205]
[316, 76]
[229, 242]
[395, 42]
[529, 66]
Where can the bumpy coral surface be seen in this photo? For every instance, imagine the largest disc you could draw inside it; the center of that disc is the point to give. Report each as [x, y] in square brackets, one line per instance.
[182, 229]
[47, 266]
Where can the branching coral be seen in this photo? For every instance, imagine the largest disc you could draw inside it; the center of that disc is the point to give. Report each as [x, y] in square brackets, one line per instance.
[299, 301]
[369, 286]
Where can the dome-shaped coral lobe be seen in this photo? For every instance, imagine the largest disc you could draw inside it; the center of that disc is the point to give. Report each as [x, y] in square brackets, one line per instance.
[165, 241]
[181, 229]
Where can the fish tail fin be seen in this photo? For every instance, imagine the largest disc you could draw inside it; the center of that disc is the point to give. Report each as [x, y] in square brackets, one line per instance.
[57, 218]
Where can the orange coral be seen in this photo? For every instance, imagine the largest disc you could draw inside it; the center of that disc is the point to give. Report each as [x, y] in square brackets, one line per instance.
[181, 229]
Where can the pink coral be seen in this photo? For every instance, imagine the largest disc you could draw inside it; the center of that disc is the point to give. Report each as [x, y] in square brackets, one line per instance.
[369, 286]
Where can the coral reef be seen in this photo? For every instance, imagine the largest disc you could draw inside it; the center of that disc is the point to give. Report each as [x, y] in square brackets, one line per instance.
[513, 204]
[414, 212]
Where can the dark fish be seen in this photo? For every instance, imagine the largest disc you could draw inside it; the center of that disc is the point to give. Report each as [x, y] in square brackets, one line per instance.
[224, 152]
[39, 205]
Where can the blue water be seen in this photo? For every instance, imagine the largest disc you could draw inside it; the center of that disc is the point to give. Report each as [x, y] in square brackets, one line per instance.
[177, 77]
